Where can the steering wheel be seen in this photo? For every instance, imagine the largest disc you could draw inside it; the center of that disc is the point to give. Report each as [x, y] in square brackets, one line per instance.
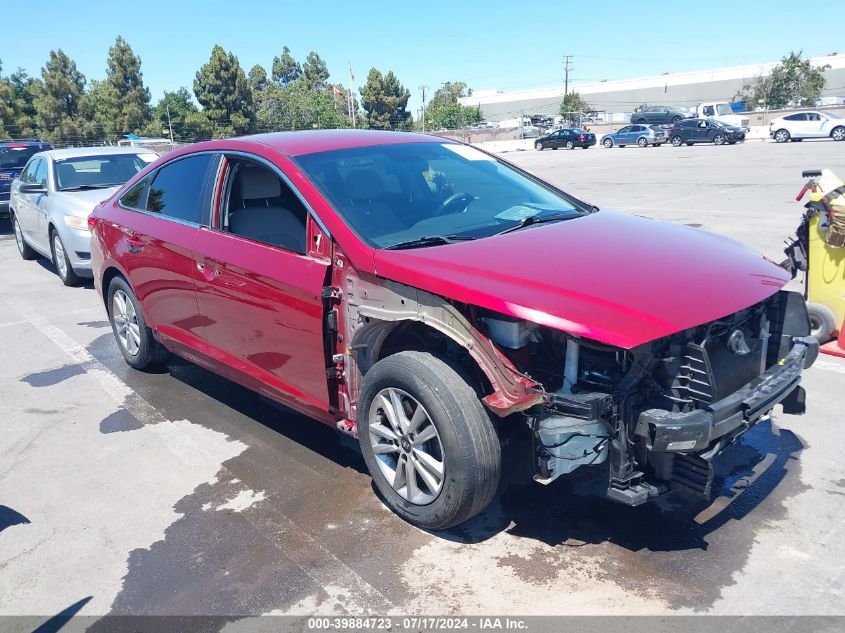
[450, 204]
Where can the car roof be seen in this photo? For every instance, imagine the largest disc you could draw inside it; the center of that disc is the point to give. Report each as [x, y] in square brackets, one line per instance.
[81, 152]
[25, 143]
[313, 141]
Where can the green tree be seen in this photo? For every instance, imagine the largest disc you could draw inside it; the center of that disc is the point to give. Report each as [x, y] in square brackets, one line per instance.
[7, 119]
[131, 107]
[58, 100]
[444, 111]
[180, 105]
[385, 101]
[222, 89]
[23, 91]
[314, 72]
[794, 82]
[285, 68]
[257, 78]
[296, 107]
[573, 105]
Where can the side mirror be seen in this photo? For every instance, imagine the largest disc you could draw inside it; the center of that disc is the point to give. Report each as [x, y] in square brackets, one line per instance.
[32, 187]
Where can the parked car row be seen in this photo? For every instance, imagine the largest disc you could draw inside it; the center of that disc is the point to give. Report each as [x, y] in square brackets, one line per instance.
[424, 296]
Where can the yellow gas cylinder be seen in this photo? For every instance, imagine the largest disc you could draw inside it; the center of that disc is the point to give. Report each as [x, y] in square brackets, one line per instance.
[826, 262]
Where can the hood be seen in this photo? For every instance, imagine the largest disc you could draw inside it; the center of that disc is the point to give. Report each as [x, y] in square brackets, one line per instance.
[611, 277]
[81, 202]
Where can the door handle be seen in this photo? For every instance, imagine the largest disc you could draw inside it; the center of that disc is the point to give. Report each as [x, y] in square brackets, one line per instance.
[209, 270]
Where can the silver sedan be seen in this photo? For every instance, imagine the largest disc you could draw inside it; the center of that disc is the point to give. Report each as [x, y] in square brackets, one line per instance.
[56, 192]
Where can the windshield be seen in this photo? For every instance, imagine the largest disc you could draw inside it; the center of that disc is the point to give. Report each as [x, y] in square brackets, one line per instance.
[391, 194]
[723, 108]
[16, 157]
[95, 172]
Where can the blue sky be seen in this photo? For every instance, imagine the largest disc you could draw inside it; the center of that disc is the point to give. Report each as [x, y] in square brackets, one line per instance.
[489, 44]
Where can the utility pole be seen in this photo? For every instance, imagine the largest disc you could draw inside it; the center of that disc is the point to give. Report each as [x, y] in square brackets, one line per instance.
[567, 67]
[169, 124]
[422, 90]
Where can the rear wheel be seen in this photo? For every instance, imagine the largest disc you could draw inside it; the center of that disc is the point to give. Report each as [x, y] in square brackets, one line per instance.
[608, 143]
[570, 145]
[427, 440]
[641, 120]
[642, 141]
[781, 136]
[838, 133]
[134, 339]
[677, 141]
[675, 119]
[822, 322]
[61, 261]
[26, 251]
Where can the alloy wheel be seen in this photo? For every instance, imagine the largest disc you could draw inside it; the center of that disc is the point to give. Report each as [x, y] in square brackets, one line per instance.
[719, 139]
[19, 236]
[781, 136]
[60, 256]
[838, 134]
[126, 323]
[407, 446]
[608, 143]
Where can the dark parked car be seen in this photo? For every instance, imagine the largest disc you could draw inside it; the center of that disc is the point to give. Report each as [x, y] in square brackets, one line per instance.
[418, 294]
[13, 157]
[570, 138]
[659, 114]
[692, 131]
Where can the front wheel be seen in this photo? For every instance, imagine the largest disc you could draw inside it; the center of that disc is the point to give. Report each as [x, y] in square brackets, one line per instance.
[677, 141]
[719, 139]
[781, 136]
[538, 146]
[427, 440]
[608, 143]
[26, 251]
[60, 260]
[134, 339]
[838, 133]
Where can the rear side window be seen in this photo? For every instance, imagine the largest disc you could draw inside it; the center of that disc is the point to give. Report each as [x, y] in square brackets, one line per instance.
[796, 117]
[178, 190]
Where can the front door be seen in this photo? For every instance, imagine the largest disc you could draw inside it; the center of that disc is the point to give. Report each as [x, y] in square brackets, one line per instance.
[259, 290]
[27, 209]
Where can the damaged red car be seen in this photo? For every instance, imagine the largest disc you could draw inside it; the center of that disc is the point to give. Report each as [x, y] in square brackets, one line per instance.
[422, 295]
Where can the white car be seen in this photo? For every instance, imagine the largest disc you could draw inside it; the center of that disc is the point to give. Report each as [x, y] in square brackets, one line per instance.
[56, 192]
[801, 125]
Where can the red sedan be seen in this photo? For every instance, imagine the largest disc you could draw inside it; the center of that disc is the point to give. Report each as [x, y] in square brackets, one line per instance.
[423, 295]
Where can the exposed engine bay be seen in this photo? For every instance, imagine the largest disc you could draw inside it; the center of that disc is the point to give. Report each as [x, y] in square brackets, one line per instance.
[662, 411]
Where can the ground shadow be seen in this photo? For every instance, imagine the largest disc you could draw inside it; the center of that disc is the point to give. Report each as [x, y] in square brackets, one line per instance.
[86, 282]
[63, 617]
[9, 517]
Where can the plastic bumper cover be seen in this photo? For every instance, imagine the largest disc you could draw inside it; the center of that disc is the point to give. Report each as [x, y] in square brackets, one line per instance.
[694, 431]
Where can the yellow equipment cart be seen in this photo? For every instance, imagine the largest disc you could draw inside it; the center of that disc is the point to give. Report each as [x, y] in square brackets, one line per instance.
[819, 251]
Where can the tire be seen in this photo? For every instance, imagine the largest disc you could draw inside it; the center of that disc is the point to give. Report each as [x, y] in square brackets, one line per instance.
[570, 145]
[149, 352]
[60, 260]
[463, 437]
[719, 139]
[675, 119]
[608, 143]
[641, 121]
[822, 322]
[538, 146]
[642, 141]
[838, 133]
[677, 141]
[731, 142]
[781, 136]
[27, 252]
[689, 144]
[656, 144]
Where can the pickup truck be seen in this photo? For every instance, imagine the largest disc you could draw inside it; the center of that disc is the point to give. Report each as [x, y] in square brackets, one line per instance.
[721, 111]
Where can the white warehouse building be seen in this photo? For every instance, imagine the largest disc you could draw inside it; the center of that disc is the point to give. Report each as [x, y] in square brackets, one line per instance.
[618, 98]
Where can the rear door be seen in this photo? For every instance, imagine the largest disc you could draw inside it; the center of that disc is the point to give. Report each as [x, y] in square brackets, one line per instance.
[259, 286]
[157, 224]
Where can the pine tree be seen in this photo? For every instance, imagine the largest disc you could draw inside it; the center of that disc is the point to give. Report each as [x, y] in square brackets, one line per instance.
[221, 87]
[257, 78]
[385, 101]
[286, 69]
[58, 100]
[130, 110]
[314, 72]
